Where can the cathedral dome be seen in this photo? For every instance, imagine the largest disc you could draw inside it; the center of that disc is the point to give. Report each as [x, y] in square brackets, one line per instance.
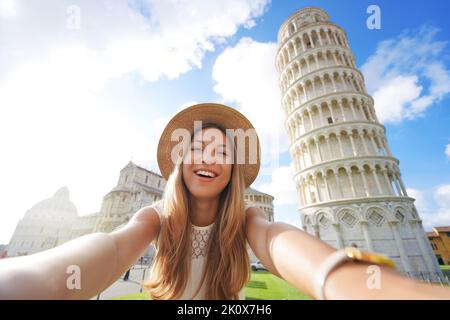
[60, 203]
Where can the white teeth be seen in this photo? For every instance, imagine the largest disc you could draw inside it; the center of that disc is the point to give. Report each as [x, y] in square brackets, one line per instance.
[206, 173]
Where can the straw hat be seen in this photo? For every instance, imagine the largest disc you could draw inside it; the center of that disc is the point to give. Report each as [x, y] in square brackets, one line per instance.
[222, 115]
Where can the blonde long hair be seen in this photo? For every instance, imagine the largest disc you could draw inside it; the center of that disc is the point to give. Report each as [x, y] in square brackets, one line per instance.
[227, 264]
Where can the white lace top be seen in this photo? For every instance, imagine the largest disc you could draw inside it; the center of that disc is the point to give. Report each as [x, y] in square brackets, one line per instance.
[199, 240]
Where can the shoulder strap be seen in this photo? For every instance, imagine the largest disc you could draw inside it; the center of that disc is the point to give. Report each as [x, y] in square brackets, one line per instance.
[158, 206]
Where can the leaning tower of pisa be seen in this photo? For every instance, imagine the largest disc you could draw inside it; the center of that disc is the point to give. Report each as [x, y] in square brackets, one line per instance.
[348, 182]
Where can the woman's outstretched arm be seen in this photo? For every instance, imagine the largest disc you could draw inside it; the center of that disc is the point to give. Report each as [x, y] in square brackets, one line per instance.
[96, 260]
[295, 256]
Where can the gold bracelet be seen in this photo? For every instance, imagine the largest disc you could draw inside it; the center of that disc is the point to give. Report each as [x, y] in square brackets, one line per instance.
[339, 257]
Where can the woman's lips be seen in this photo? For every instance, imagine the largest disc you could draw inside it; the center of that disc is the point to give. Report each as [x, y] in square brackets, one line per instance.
[205, 179]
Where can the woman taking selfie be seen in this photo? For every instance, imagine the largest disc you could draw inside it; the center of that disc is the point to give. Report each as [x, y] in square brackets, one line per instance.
[202, 230]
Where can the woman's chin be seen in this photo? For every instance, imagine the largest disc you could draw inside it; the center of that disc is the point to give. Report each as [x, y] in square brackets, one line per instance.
[205, 194]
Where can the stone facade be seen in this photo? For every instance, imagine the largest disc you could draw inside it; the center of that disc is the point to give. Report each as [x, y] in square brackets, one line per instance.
[46, 225]
[261, 200]
[348, 182]
[137, 187]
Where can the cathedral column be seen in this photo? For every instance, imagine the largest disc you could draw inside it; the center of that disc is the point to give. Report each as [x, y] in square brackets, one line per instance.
[364, 142]
[340, 144]
[399, 190]
[302, 125]
[372, 110]
[296, 128]
[302, 192]
[338, 183]
[308, 65]
[310, 118]
[377, 182]
[424, 246]
[320, 38]
[400, 247]
[321, 113]
[303, 155]
[316, 142]
[328, 37]
[360, 111]
[337, 232]
[310, 153]
[373, 143]
[341, 106]
[352, 143]
[312, 40]
[327, 139]
[369, 111]
[304, 92]
[298, 155]
[401, 184]
[319, 197]
[330, 106]
[334, 37]
[296, 98]
[316, 61]
[333, 83]
[388, 181]
[367, 238]
[288, 55]
[352, 107]
[324, 176]
[314, 88]
[335, 59]
[350, 178]
[315, 228]
[366, 187]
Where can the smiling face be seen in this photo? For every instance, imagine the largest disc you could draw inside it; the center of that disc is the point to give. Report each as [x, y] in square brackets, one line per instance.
[209, 169]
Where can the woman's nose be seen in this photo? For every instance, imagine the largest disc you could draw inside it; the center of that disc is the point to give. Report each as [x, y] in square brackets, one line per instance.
[208, 158]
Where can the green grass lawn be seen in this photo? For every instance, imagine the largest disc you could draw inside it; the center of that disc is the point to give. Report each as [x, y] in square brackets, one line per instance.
[133, 296]
[262, 286]
[446, 270]
[265, 286]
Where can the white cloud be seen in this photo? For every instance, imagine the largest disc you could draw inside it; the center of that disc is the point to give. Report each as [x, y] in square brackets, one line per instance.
[392, 97]
[420, 203]
[281, 186]
[436, 211]
[447, 151]
[7, 8]
[442, 196]
[245, 76]
[154, 38]
[60, 122]
[406, 75]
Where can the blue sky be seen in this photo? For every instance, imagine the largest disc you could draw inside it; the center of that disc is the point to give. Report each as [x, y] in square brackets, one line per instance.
[85, 87]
